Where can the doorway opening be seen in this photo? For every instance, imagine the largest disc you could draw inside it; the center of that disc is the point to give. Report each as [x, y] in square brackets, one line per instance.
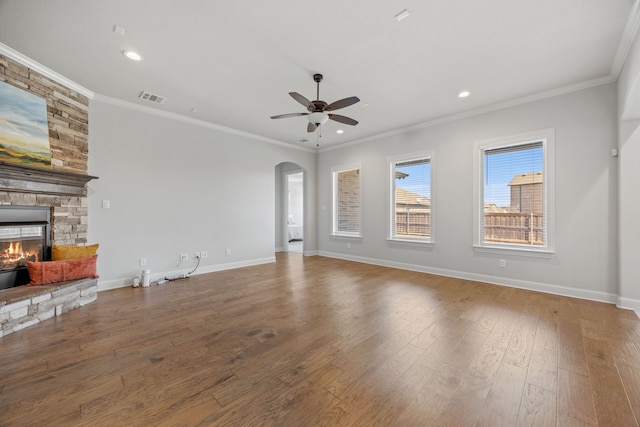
[295, 212]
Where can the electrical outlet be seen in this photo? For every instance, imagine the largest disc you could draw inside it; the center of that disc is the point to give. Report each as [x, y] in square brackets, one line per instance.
[143, 261]
[197, 255]
[204, 254]
[502, 263]
[227, 252]
[184, 257]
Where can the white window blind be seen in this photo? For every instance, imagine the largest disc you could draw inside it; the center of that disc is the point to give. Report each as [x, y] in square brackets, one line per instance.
[346, 200]
[514, 203]
[411, 199]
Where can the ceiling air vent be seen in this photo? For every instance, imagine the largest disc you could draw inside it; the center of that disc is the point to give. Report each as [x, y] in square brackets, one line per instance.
[151, 97]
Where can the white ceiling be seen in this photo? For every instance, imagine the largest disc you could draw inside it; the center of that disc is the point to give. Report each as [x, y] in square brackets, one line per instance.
[234, 61]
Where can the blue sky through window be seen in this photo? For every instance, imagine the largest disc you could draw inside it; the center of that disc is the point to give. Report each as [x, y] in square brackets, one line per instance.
[419, 179]
[501, 165]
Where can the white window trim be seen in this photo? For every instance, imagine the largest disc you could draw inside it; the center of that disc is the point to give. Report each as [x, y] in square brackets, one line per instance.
[548, 138]
[391, 161]
[334, 205]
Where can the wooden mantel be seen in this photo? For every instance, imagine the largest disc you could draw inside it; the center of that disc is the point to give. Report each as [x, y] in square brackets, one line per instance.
[30, 179]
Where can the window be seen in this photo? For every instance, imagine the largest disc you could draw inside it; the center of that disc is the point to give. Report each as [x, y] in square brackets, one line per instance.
[513, 203]
[410, 201]
[346, 201]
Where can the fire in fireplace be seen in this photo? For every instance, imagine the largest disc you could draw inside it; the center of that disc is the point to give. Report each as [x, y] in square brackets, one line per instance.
[25, 244]
[24, 236]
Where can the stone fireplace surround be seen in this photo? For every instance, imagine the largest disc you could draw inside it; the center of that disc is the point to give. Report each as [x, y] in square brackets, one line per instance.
[64, 193]
[62, 188]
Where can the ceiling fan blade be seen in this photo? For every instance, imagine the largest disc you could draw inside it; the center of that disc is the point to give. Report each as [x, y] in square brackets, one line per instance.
[301, 99]
[311, 127]
[342, 103]
[286, 116]
[343, 119]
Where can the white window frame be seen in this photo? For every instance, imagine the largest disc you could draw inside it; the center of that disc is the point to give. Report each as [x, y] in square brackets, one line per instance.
[547, 137]
[391, 198]
[334, 200]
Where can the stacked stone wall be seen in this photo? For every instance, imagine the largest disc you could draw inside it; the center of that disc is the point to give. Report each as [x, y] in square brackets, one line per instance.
[68, 119]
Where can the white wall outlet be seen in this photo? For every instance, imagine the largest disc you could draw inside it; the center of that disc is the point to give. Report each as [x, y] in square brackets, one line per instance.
[227, 252]
[184, 257]
[106, 204]
[197, 255]
[348, 245]
[143, 261]
[502, 263]
[204, 254]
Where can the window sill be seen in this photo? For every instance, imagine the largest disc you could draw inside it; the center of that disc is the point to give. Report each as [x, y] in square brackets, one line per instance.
[346, 236]
[410, 243]
[517, 251]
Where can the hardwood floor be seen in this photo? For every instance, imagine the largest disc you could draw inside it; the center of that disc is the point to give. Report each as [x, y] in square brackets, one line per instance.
[317, 341]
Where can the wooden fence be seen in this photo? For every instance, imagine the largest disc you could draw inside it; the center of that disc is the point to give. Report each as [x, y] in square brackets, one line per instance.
[522, 228]
[519, 228]
[415, 224]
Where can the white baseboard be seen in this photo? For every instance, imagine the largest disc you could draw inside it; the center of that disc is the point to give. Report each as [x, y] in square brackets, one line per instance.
[502, 281]
[232, 265]
[104, 285]
[629, 304]
[625, 303]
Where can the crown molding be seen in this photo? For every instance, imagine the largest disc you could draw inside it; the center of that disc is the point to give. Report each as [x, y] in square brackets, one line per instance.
[626, 41]
[192, 121]
[45, 71]
[478, 111]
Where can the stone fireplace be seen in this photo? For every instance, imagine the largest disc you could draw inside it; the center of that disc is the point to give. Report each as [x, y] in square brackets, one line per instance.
[60, 190]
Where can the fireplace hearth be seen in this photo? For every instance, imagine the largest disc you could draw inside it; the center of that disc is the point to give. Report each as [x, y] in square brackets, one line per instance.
[25, 235]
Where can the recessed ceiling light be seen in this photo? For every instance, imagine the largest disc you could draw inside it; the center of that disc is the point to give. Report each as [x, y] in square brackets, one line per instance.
[402, 15]
[464, 94]
[134, 56]
[339, 131]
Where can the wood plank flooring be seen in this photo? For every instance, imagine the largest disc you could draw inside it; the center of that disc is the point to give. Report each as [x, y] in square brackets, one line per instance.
[313, 341]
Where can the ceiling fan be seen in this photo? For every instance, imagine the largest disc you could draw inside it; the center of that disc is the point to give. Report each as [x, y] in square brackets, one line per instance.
[317, 109]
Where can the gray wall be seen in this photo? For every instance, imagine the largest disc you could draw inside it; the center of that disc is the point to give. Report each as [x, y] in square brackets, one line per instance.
[629, 178]
[175, 187]
[585, 263]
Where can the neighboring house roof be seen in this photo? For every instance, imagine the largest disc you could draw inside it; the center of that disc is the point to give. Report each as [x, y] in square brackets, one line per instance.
[493, 208]
[406, 197]
[527, 178]
[401, 175]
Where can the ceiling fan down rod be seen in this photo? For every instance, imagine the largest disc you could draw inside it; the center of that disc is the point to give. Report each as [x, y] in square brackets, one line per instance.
[317, 78]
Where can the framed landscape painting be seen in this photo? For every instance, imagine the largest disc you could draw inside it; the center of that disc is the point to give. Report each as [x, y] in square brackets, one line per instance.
[24, 134]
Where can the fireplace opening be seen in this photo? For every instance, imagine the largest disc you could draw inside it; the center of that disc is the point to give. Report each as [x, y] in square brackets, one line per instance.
[24, 236]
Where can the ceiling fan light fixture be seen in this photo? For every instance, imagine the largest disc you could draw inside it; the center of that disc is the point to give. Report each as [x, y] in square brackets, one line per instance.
[464, 94]
[318, 118]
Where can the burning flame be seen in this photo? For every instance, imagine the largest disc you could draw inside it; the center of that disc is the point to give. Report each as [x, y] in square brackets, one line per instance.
[14, 256]
[14, 248]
